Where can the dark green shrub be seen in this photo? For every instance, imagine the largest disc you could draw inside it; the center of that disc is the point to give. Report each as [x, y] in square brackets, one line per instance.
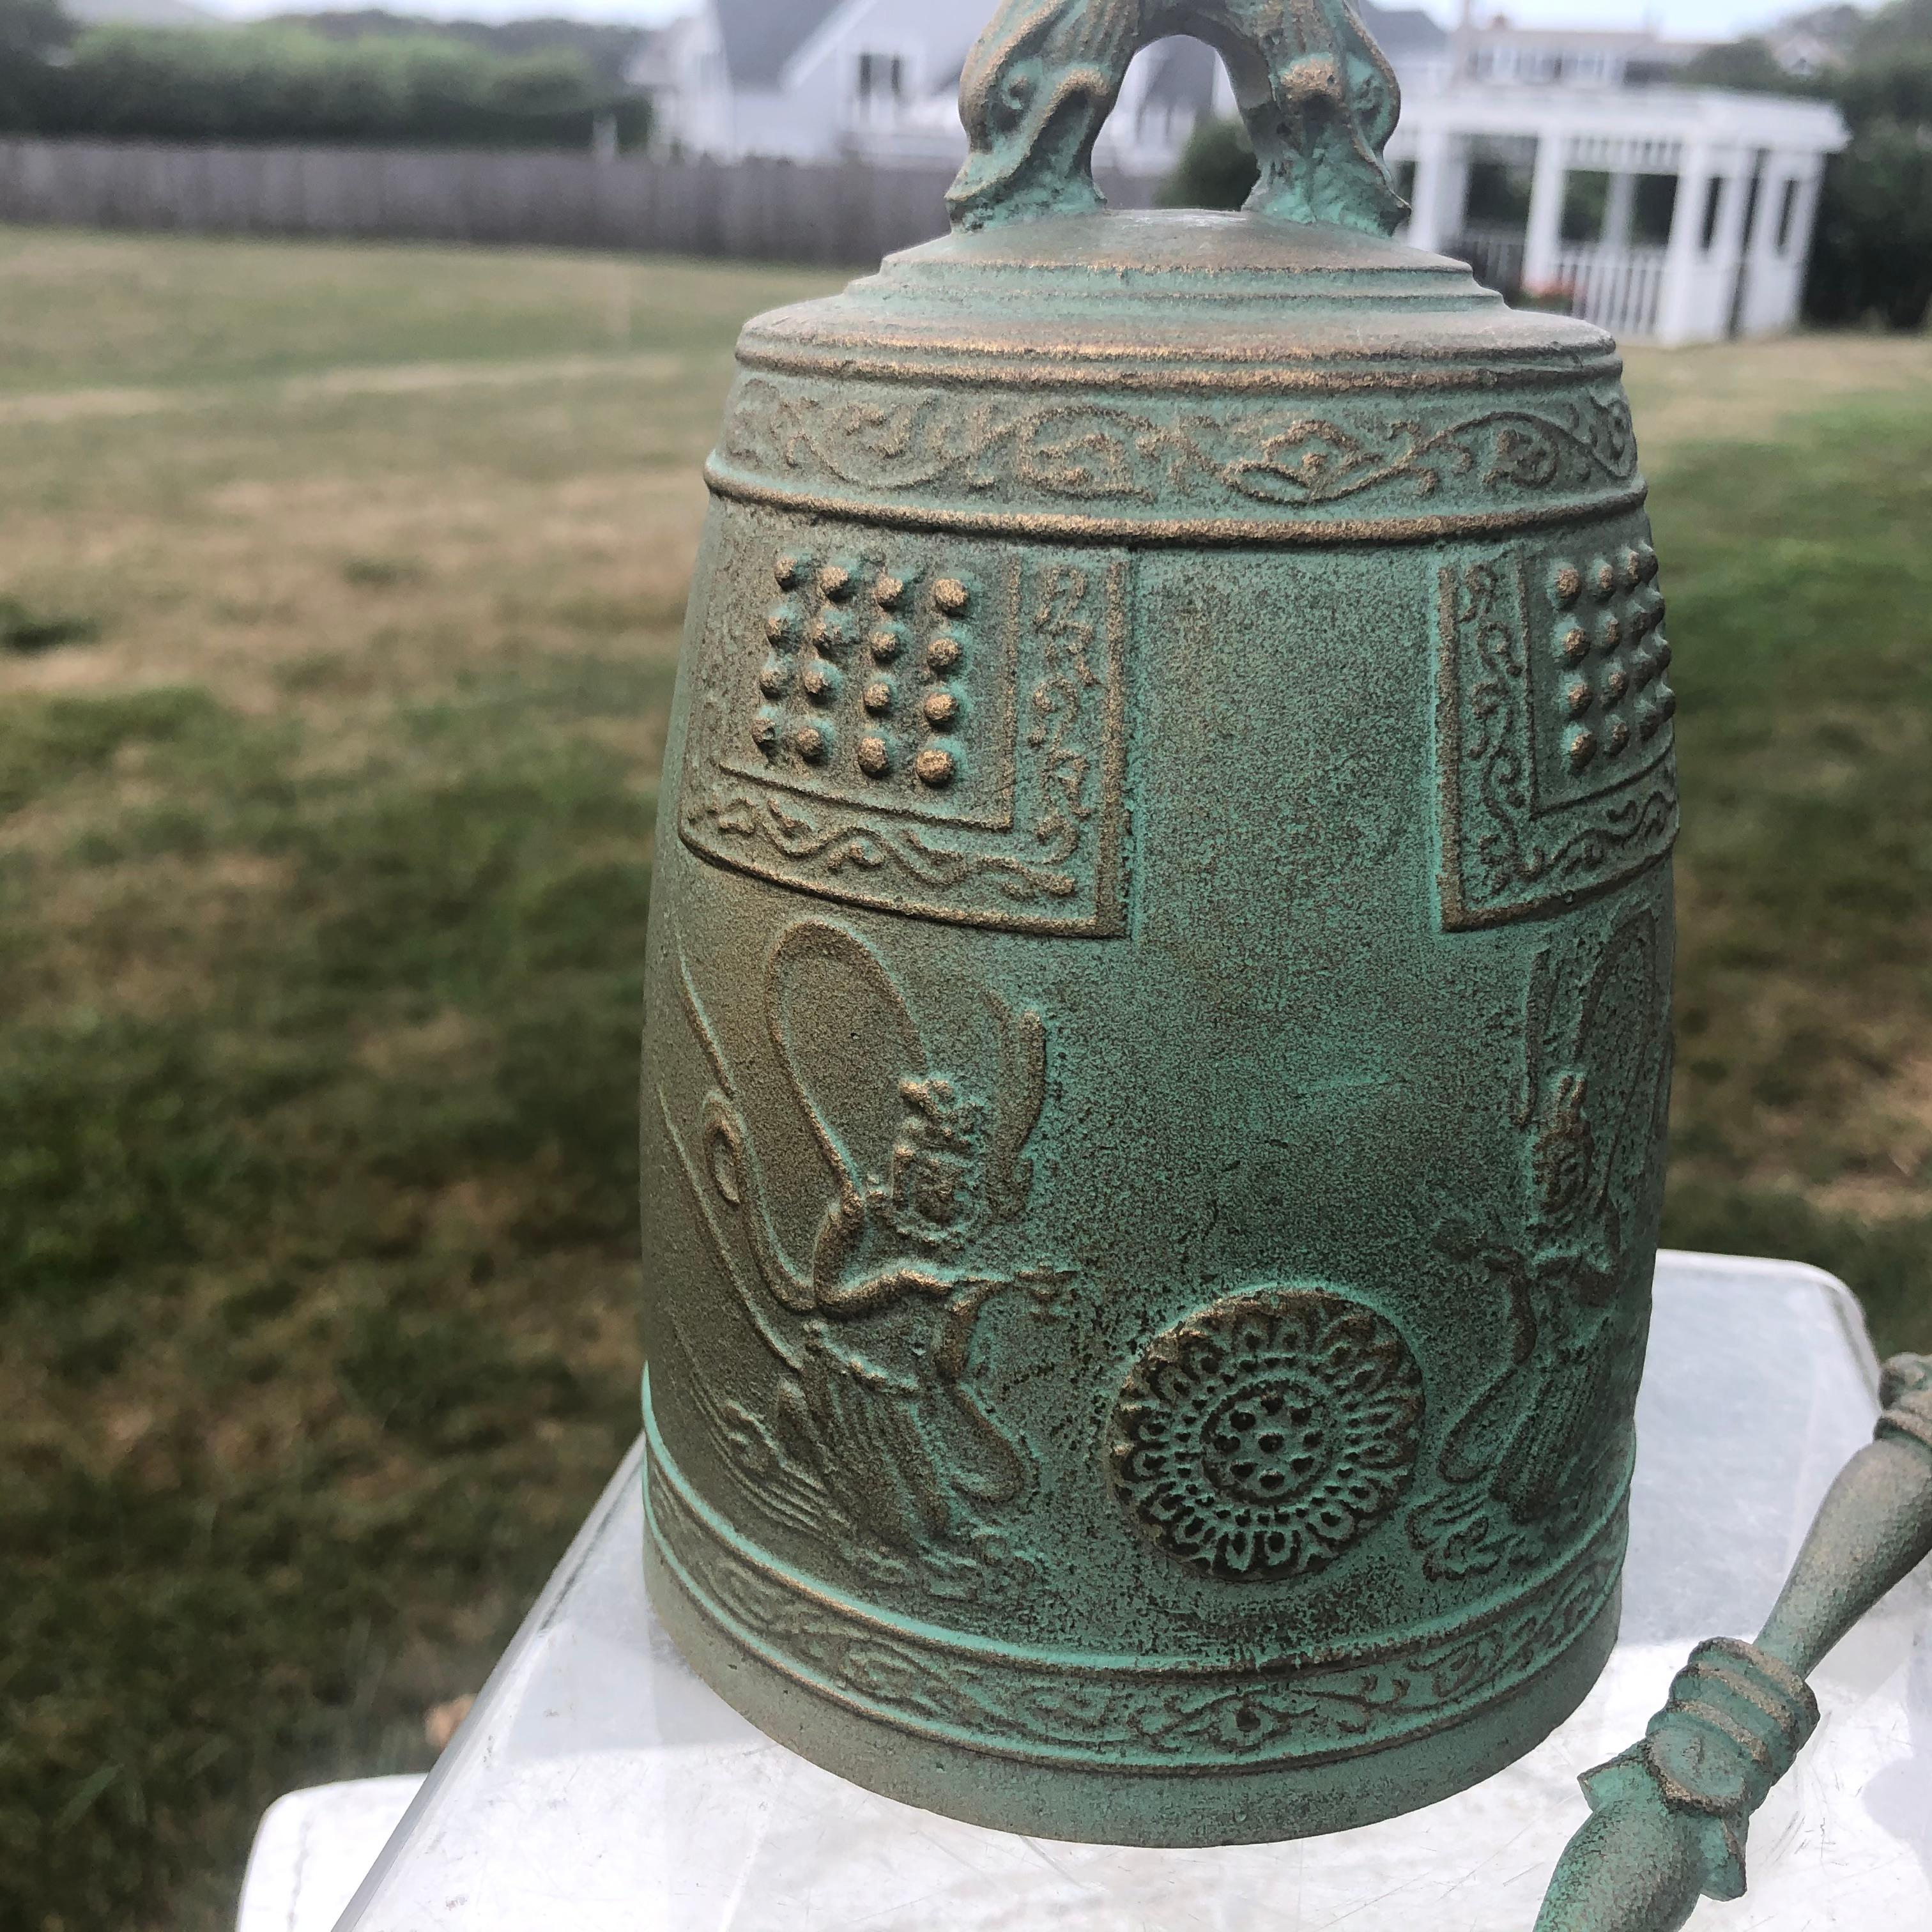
[1217, 169]
[1872, 258]
[273, 82]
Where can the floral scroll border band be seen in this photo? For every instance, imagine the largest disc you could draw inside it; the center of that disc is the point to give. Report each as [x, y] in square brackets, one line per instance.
[1117, 1714]
[1194, 471]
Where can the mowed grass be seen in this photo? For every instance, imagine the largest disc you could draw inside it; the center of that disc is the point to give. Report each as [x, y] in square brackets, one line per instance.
[1798, 566]
[339, 597]
[323, 872]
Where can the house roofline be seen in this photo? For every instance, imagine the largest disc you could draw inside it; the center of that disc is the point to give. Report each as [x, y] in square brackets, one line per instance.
[812, 47]
[1720, 116]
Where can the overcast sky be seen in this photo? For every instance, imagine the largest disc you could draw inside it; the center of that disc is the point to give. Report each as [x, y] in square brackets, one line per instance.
[1685, 19]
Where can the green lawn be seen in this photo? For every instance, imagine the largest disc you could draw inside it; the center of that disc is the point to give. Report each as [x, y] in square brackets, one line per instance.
[339, 594]
[1800, 570]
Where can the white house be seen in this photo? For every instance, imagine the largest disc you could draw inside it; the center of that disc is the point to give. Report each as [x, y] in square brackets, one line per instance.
[1746, 168]
[815, 80]
[818, 79]
[1498, 52]
[805, 80]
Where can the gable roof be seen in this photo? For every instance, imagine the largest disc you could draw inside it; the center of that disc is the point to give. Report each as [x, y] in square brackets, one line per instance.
[759, 36]
[1402, 33]
[1188, 68]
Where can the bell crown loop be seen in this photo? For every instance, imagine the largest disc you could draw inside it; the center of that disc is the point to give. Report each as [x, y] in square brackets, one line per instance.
[1317, 96]
[1053, 370]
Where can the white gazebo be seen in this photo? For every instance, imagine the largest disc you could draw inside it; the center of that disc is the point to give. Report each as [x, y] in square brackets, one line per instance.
[1747, 165]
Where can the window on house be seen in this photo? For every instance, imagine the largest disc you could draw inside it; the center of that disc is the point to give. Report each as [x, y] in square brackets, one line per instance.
[1586, 194]
[1714, 195]
[1656, 205]
[1787, 211]
[1498, 192]
[881, 77]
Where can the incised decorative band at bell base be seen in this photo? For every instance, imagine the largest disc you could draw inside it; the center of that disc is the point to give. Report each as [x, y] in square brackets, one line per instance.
[1121, 1714]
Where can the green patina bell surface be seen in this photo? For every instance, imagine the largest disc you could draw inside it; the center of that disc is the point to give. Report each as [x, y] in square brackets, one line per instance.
[1158, 1036]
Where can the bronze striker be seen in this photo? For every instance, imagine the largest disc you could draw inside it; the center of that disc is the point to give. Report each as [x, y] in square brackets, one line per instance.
[1158, 977]
[1670, 1818]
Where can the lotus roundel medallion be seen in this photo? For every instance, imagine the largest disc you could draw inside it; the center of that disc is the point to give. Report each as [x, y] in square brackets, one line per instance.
[1260, 1437]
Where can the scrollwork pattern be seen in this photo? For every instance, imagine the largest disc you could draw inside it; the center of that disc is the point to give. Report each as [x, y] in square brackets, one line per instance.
[890, 442]
[835, 842]
[1111, 1713]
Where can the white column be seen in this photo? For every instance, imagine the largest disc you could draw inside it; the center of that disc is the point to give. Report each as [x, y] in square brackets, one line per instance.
[1804, 213]
[1544, 237]
[1120, 138]
[1769, 304]
[1781, 172]
[1683, 260]
[1727, 241]
[1619, 210]
[1726, 258]
[1791, 265]
[1454, 206]
[1432, 157]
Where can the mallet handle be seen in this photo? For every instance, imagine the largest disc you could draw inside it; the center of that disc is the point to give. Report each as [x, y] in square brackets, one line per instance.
[1669, 1818]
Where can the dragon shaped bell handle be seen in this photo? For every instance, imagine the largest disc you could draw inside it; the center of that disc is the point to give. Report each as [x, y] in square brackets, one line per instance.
[1318, 97]
[1669, 1817]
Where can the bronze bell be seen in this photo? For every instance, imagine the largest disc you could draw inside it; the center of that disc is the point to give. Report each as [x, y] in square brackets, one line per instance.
[1158, 1035]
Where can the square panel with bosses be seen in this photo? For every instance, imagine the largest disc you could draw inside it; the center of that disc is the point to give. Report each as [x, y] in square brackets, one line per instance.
[1555, 746]
[934, 730]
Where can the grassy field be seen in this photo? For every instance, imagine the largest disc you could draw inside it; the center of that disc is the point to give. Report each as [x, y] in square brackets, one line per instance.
[339, 594]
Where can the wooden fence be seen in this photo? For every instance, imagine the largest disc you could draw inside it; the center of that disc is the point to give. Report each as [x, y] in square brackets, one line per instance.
[754, 210]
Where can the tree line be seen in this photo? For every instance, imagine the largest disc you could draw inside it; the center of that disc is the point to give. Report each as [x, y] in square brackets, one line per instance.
[398, 83]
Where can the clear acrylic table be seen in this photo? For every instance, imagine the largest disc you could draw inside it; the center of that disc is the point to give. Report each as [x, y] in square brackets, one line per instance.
[599, 1786]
